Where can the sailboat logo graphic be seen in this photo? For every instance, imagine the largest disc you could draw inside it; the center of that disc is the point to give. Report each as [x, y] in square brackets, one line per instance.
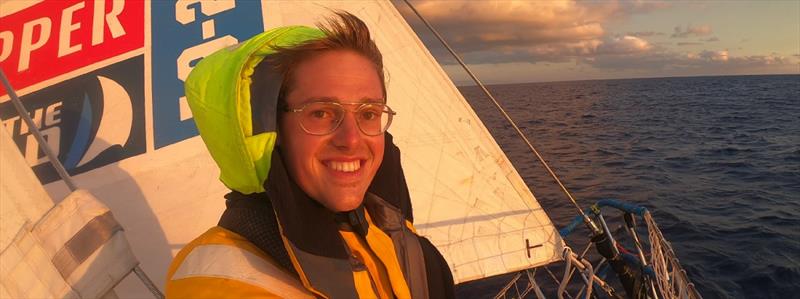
[114, 127]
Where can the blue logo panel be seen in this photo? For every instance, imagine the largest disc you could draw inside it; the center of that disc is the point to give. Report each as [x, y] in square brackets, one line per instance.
[182, 35]
[88, 121]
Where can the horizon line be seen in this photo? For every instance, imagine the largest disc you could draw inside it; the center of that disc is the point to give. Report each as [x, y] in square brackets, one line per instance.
[472, 83]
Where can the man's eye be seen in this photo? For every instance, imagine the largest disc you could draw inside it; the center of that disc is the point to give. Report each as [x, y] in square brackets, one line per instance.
[370, 114]
[320, 114]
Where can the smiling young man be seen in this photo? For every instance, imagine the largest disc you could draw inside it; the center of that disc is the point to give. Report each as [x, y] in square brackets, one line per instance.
[296, 119]
[334, 164]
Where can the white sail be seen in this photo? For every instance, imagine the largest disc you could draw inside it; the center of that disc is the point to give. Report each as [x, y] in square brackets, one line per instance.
[22, 200]
[467, 197]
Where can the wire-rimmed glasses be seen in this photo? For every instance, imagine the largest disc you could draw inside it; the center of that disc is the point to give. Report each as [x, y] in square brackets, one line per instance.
[322, 118]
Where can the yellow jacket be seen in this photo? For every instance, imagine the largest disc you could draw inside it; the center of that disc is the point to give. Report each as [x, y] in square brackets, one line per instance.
[223, 264]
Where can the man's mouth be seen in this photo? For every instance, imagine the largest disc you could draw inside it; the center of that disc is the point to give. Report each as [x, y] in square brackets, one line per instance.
[344, 166]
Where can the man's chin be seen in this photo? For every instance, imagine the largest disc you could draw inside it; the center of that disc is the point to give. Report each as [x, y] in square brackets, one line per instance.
[342, 204]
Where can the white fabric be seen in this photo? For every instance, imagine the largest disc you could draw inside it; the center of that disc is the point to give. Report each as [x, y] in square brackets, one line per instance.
[4, 293]
[26, 271]
[22, 197]
[104, 268]
[31, 233]
[234, 263]
[27, 264]
[67, 218]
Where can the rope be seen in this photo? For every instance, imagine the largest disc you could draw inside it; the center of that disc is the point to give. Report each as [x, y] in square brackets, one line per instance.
[567, 256]
[587, 273]
[590, 281]
[148, 283]
[590, 278]
[586, 219]
[534, 285]
[507, 287]
[553, 277]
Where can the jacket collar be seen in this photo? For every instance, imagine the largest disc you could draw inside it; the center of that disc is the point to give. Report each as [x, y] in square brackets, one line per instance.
[313, 228]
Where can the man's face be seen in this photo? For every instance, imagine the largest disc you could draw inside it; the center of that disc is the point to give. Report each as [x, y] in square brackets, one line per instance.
[334, 169]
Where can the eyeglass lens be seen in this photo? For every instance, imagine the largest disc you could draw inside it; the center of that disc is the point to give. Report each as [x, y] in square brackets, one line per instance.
[323, 118]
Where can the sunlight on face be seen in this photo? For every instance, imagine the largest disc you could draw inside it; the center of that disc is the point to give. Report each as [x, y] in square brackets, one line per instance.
[334, 169]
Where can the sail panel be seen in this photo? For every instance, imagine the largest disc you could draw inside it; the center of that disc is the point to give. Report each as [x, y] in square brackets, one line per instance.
[23, 199]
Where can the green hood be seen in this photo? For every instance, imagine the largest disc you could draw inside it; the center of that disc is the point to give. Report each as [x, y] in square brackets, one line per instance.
[218, 92]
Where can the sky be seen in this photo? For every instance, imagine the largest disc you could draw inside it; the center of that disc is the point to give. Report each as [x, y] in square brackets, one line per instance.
[564, 40]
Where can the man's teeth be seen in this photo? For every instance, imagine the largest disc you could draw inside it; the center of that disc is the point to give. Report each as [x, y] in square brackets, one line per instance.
[345, 166]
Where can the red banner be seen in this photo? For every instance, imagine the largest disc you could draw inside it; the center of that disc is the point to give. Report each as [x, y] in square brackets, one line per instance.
[52, 38]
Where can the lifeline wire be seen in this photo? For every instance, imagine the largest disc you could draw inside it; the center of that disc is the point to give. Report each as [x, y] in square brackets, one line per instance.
[586, 218]
[23, 113]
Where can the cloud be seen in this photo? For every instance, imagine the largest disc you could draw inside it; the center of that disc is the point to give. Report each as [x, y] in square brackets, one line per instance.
[712, 55]
[691, 30]
[720, 61]
[551, 52]
[645, 33]
[567, 32]
[761, 60]
[530, 31]
[699, 42]
[623, 45]
[479, 25]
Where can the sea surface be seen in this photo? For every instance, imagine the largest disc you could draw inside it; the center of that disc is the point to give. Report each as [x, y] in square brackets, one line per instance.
[715, 159]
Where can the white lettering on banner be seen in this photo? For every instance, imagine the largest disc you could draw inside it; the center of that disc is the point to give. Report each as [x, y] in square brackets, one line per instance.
[32, 150]
[47, 119]
[51, 114]
[7, 38]
[33, 155]
[37, 119]
[9, 123]
[209, 29]
[183, 108]
[36, 32]
[200, 51]
[111, 19]
[65, 30]
[28, 45]
[185, 15]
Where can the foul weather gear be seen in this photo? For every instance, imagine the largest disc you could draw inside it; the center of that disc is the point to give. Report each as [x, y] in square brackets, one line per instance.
[273, 240]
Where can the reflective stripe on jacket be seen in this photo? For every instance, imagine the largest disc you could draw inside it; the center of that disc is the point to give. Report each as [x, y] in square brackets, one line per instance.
[223, 264]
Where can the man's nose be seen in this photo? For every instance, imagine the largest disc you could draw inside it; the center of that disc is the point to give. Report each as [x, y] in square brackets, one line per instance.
[348, 134]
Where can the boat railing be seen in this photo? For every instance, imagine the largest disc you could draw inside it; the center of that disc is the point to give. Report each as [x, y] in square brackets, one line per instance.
[661, 272]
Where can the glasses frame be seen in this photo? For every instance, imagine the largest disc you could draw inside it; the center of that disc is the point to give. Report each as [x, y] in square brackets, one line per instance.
[388, 111]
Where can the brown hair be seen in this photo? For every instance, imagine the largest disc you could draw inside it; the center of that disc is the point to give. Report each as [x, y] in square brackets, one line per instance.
[343, 31]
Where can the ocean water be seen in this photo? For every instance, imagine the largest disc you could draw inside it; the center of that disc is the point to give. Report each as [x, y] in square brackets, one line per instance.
[715, 159]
